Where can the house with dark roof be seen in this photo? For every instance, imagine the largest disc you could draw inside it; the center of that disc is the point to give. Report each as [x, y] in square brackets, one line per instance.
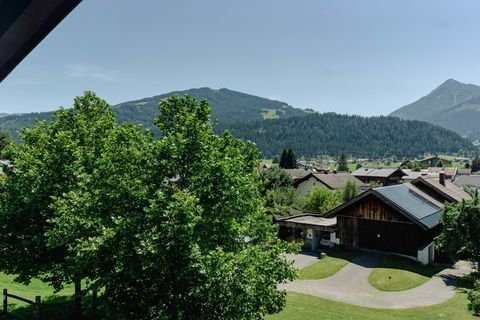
[331, 181]
[387, 176]
[472, 181]
[464, 171]
[297, 174]
[433, 161]
[450, 172]
[402, 219]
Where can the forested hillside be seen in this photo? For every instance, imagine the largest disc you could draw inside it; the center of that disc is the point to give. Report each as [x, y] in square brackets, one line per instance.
[333, 134]
[227, 107]
[274, 126]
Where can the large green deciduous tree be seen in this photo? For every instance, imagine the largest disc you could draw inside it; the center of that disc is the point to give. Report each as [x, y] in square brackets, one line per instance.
[461, 230]
[173, 228]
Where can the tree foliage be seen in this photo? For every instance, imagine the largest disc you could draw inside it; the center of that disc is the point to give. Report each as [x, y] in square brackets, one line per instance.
[279, 200]
[5, 140]
[228, 106]
[461, 230]
[476, 164]
[350, 191]
[322, 200]
[171, 228]
[474, 299]
[331, 134]
[275, 177]
[288, 159]
[342, 164]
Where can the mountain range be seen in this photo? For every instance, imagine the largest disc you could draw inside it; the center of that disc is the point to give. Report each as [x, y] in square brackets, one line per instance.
[452, 105]
[228, 106]
[275, 125]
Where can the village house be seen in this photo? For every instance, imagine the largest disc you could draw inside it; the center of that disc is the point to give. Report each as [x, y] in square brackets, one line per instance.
[331, 181]
[386, 177]
[464, 171]
[472, 181]
[434, 161]
[450, 173]
[297, 174]
[402, 219]
[411, 175]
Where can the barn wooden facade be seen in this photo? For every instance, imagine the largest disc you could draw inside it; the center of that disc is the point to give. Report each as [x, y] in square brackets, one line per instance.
[372, 223]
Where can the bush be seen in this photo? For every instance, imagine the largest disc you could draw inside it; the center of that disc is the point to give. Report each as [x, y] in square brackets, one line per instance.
[322, 200]
[474, 300]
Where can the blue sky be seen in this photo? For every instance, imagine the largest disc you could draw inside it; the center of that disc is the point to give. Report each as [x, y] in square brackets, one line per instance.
[364, 57]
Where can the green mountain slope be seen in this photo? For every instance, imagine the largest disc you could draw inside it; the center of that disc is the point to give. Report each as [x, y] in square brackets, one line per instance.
[332, 134]
[453, 105]
[227, 107]
[274, 125]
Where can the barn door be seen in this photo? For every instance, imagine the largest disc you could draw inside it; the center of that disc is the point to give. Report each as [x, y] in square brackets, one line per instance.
[372, 235]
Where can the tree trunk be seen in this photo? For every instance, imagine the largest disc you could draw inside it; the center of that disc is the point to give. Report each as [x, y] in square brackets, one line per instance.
[78, 298]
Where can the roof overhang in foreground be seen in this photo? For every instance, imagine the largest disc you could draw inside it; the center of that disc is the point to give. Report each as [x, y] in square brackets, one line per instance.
[24, 24]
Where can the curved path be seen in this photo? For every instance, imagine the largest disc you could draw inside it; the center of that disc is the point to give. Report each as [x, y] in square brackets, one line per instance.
[350, 285]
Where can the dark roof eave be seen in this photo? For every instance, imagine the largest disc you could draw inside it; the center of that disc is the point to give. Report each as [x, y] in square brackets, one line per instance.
[26, 29]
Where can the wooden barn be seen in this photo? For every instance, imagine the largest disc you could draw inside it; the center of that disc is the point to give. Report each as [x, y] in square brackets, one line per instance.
[402, 219]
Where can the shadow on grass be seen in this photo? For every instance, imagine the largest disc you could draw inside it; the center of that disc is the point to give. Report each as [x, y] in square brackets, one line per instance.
[54, 308]
[332, 252]
[401, 263]
[344, 254]
[61, 308]
[465, 283]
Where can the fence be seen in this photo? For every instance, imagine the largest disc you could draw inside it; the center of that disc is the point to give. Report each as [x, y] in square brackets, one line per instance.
[37, 304]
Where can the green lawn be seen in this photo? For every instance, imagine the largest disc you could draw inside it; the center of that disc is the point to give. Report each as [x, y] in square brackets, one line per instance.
[396, 274]
[300, 307]
[327, 266]
[54, 307]
[35, 288]
[269, 114]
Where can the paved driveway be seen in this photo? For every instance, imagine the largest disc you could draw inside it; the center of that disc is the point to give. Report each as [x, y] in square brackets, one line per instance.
[351, 285]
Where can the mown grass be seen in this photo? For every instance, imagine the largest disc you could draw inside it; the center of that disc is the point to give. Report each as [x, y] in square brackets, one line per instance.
[269, 114]
[55, 305]
[35, 288]
[328, 265]
[301, 306]
[395, 273]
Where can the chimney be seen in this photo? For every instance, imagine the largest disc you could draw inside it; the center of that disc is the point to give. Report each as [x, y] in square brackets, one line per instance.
[441, 177]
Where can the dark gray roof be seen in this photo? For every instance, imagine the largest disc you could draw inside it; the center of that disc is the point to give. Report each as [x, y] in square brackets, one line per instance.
[412, 203]
[464, 171]
[378, 173]
[311, 220]
[468, 181]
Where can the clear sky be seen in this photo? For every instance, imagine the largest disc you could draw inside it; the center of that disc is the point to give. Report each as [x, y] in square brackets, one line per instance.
[365, 57]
